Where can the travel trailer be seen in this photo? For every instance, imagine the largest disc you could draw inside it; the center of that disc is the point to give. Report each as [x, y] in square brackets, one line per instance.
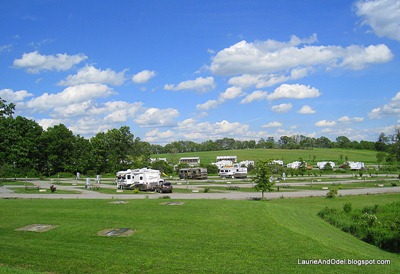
[193, 173]
[356, 165]
[142, 179]
[321, 165]
[234, 171]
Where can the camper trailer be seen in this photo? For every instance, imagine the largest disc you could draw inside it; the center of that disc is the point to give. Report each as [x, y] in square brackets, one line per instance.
[193, 173]
[142, 179]
[234, 171]
[321, 165]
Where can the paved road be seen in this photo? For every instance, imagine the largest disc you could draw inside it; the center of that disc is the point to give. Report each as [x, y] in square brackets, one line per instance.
[6, 192]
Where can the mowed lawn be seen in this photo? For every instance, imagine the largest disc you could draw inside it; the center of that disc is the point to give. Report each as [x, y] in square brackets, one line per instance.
[198, 236]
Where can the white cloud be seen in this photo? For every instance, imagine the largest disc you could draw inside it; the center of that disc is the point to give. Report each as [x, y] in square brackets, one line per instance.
[200, 84]
[90, 74]
[272, 124]
[390, 109]
[157, 117]
[257, 95]
[347, 119]
[306, 109]
[269, 57]
[259, 81]
[14, 96]
[70, 95]
[282, 108]
[143, 77]
[294, 91]
[208, 105]
[231, 93]
[383, 16]
[46, 123]
[34, 62]
[325, 123]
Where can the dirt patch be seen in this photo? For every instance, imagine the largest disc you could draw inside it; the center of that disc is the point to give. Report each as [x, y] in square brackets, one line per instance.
[116, 232]
[37, 228]
[173, 203]
[119, 202]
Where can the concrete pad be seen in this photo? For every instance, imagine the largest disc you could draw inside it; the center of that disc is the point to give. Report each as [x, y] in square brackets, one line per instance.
[116, 232]
[37, 228]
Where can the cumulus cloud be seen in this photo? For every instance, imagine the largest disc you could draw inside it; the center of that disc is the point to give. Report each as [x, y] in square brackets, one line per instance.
[200, 84]
[294, 91]
[208, 105]
[157, 117]
[90, 74]
[347, 119]
[306, 109]
[70, 95]
[269, 57]
[383, 16]
[34, 62]
[390, 109]
[143, 77]
[229, 94]
[272, 124]
[257, 95]
[325, 123]
[282, 108]
[14, 96]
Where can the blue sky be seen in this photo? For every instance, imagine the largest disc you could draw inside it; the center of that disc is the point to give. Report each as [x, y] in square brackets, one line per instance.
[200, 70]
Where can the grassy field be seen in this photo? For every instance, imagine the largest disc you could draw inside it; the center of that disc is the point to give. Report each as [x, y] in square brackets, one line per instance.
[287, 155]
[199, 236]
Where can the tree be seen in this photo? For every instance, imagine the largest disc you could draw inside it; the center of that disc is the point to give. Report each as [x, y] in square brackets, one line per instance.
[263, 178]
[6, 110]
[57, 146]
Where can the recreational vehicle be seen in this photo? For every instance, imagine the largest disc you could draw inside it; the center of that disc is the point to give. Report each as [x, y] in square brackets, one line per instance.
[232, 172]
[321, 165]
[193, 173]
[142, 179]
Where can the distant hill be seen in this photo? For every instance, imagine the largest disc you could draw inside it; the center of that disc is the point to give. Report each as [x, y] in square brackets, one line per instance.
[311, 156]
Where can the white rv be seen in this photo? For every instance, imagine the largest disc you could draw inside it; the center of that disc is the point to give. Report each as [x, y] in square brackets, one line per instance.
[321, 165]
[143, 179]
[356, 165]
[232, 172]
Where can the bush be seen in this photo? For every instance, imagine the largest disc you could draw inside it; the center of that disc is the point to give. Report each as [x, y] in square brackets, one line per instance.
[136, 191]
[378, 227]
[331, 193]
[206, 190]
[347, 207]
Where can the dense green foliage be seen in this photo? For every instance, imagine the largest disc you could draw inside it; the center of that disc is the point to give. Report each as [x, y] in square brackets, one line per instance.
[378, 225]
[199, 236]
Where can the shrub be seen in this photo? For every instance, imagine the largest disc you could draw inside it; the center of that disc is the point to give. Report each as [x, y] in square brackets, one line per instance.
[206, 190]
[331, 193]
[136, 191]
[347, 207]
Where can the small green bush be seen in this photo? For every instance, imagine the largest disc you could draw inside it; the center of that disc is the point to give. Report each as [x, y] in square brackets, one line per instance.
[136, 191]
[331, 193]
[347, 207]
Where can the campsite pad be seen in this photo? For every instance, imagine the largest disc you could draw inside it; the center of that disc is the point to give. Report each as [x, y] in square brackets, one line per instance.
[37, 228]
[119, 202]
[116, 232]
[173, 203]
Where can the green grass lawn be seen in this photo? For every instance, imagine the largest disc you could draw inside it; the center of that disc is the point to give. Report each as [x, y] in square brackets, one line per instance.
[199, 236]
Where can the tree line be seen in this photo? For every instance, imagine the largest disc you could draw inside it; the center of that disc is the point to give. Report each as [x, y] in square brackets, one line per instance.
[27, 149]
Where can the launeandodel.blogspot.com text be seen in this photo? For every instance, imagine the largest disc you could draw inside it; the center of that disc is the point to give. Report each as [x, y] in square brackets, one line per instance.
[342, 262]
